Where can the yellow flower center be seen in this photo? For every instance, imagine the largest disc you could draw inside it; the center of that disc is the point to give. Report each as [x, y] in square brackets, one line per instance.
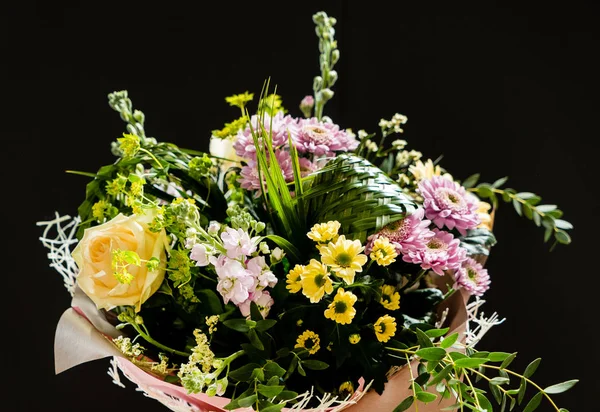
[341, 307]
[436, 244]
[343, 259]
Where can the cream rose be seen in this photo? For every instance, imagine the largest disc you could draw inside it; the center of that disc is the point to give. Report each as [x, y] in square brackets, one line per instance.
[93, 256]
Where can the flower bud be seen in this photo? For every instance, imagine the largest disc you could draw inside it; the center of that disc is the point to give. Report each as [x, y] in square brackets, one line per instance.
[139, 116]
[327, 94]
[317, 83]
[335, 56]
[306, 106]
[333, 76]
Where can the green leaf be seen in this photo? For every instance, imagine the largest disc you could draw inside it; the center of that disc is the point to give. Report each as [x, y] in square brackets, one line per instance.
[270, 391]
[562, 237]
[499, 182]
[561, 387]
[239, 325]
[266, 324]
[478, 241]
[449, 341]
[287, 395]
[485, 190]
[405, 404]
[255, 314]
[423, 339]
[470, 362]
[532, 367]
[273, 369]
[315, 365]
[484, 402]
[534, 402]
[210, 301]
[426, 397]
[499, 380]
[497, 356]
[441, 375]
[537, 219]
[496, 392]
[436, 333]
[546, 208]
[243, 373]
[431, 354]
[301, 370]
[508, 360]
[258, 374]
[522, 389]
[255, 340]
[527, 211]
[292, 251]
[518, 206]
[247, 401]
[471, 181]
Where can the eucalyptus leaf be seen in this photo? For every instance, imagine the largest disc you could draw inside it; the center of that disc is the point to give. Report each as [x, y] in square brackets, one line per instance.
[431, 354]
[532, 367]
[405, 404]
[561, 387]
[534, 402]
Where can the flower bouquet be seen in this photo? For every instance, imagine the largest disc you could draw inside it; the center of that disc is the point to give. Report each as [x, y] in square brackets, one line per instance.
[298, 266]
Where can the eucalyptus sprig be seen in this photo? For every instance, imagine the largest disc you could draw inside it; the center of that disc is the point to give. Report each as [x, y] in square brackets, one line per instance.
[328, 58]
[451, 371]
[526, 204]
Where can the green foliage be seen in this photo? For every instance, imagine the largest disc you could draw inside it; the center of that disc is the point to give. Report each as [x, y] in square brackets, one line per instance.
[526, 204]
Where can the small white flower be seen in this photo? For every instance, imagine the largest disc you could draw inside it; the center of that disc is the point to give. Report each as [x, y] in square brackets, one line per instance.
[214, 227]
[264, 248]
[277, 255]
[200, 254]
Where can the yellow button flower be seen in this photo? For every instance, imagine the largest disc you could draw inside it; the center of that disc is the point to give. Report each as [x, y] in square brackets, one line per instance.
[324, 232]
[390, 299]
[316, 281]
[385, 328]
[354, 338]
[294, 279]
[483, 212]
[344, 258]
[346, 390]
[342, 309]
[383, 252]
[310, 341]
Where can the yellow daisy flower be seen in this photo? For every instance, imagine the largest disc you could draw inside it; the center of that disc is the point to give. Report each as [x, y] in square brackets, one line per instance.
[354, 338]
[324, 232]
[342, 309]
[346, 390]
[310, 341]
[294, 279]
[390, 299]
[383, 252]
[344, 258]
[385, 328]
[483, 212]
[426, 170]
[316, 281]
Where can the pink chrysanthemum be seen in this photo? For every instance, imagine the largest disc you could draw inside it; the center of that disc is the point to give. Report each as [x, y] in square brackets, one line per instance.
[279, 127]
[448, 204]
[249, 173]
[442, 252]
[322, 138]
[409, 234]
[472, 277]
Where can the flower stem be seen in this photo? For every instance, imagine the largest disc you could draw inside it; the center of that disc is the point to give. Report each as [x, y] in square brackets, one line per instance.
[159, 345]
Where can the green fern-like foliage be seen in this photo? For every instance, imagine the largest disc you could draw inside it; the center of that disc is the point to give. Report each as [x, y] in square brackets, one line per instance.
[356, 193]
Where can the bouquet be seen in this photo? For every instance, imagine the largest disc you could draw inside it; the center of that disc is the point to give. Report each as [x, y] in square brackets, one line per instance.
[297, 266]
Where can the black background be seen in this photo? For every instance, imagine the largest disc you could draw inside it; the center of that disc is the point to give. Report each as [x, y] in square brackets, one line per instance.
[502, 90]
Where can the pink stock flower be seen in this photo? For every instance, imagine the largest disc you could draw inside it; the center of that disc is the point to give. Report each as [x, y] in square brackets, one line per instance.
[442, 252]
[279, 128]
[409, 234]
[448, 204]
[322, 138]
[472, 277]
[199, 254]
[259, 268]
[238, 243]
[235, 282]
[249, 175]
[263, 300]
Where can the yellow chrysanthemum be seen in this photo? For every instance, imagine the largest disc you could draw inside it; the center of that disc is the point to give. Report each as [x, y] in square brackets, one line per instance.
[483, 212]
[344, 258]
[324, 232]
[294, 279]
[390, 299]
[383, 252]
[310, 341]
[346, 390]
[342, 309]
[354, 338]
[426, 170]
[385, 328]
[316, 281]
[240, 100]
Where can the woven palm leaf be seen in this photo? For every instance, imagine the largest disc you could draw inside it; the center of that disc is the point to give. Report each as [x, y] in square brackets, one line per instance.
[357, 194]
